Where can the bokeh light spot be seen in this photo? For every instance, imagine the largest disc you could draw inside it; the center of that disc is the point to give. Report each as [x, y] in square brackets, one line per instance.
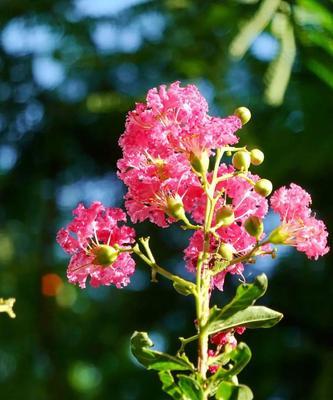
[51, 284]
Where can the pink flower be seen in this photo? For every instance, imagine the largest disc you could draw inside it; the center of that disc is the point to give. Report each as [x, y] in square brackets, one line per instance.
[163, 139]
[244, 202]
[91, 240]
[152, 183]
[292, 202]
[299, 228]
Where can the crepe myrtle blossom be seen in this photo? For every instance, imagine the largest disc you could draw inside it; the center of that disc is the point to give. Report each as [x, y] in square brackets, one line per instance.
[299, 227]
[238, 193]
[158, 189]
[182, 165]
[93, 239]
[168, 140]
[175, 119]
[238, 202]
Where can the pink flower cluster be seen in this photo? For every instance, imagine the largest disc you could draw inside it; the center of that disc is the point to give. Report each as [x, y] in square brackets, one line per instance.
[244, 202]
[90, 239]
[166, 148]
[299, 228]
[162, 137]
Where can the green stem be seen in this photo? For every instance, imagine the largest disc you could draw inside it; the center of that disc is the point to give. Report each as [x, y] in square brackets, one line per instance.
[203, 273]
[149, 260]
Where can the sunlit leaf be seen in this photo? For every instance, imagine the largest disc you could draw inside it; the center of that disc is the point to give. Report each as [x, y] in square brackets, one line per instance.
[230, 391]
[152, 359]
[169, 386]
[190, 388]
[250, 317]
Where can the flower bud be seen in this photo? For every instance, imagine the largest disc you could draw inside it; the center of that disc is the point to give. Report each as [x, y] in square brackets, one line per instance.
[175, 208]
[241, 160]
[105, 254]
[279, 236]
[200, 163]
[225, 216]
[263, 187]
[257, 156]
[226, 251]
[244, 114]
[254, 226]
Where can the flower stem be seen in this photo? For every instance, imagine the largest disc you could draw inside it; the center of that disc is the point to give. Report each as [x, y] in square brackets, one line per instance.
[149, 260]
[203, 280]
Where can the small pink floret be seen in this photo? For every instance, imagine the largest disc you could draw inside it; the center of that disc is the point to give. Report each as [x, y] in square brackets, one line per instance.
[91, 227]
[303, 230]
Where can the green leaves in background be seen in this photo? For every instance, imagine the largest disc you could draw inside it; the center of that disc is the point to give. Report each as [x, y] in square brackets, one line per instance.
[308, 21]
[152, 359]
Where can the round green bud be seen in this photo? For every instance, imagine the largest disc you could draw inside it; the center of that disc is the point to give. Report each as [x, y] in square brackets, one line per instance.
[244, 114]
[226, 251]
[200, 163]
[279, 236]
[175, 208]
[254, 226]
[105, 255]
[257, 156]
[225, 216]
[241, 160]
[263, 187]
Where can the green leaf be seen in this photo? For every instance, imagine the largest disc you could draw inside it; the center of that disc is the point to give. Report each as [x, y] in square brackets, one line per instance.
[279, 70]
[230, 391]
[250, 317]
[169, 386]
[240, 356]
[191, 388]
[151, 359]
[324, 72]
[245, 296]
[252, 28]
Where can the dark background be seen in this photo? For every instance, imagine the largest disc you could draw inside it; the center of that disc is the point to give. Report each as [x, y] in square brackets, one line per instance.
[69, 72]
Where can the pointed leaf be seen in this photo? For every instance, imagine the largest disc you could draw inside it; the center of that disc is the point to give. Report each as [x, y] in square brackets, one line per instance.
[191, 388]
[169, 386]
[250, 317]
[240, 356]
[152, 359]
[230, 391]
[245, 296]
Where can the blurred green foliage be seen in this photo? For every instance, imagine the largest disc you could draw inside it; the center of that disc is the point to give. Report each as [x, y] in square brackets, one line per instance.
[69, 71]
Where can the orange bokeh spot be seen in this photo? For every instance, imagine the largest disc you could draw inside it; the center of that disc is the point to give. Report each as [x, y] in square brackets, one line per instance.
[51, 284]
